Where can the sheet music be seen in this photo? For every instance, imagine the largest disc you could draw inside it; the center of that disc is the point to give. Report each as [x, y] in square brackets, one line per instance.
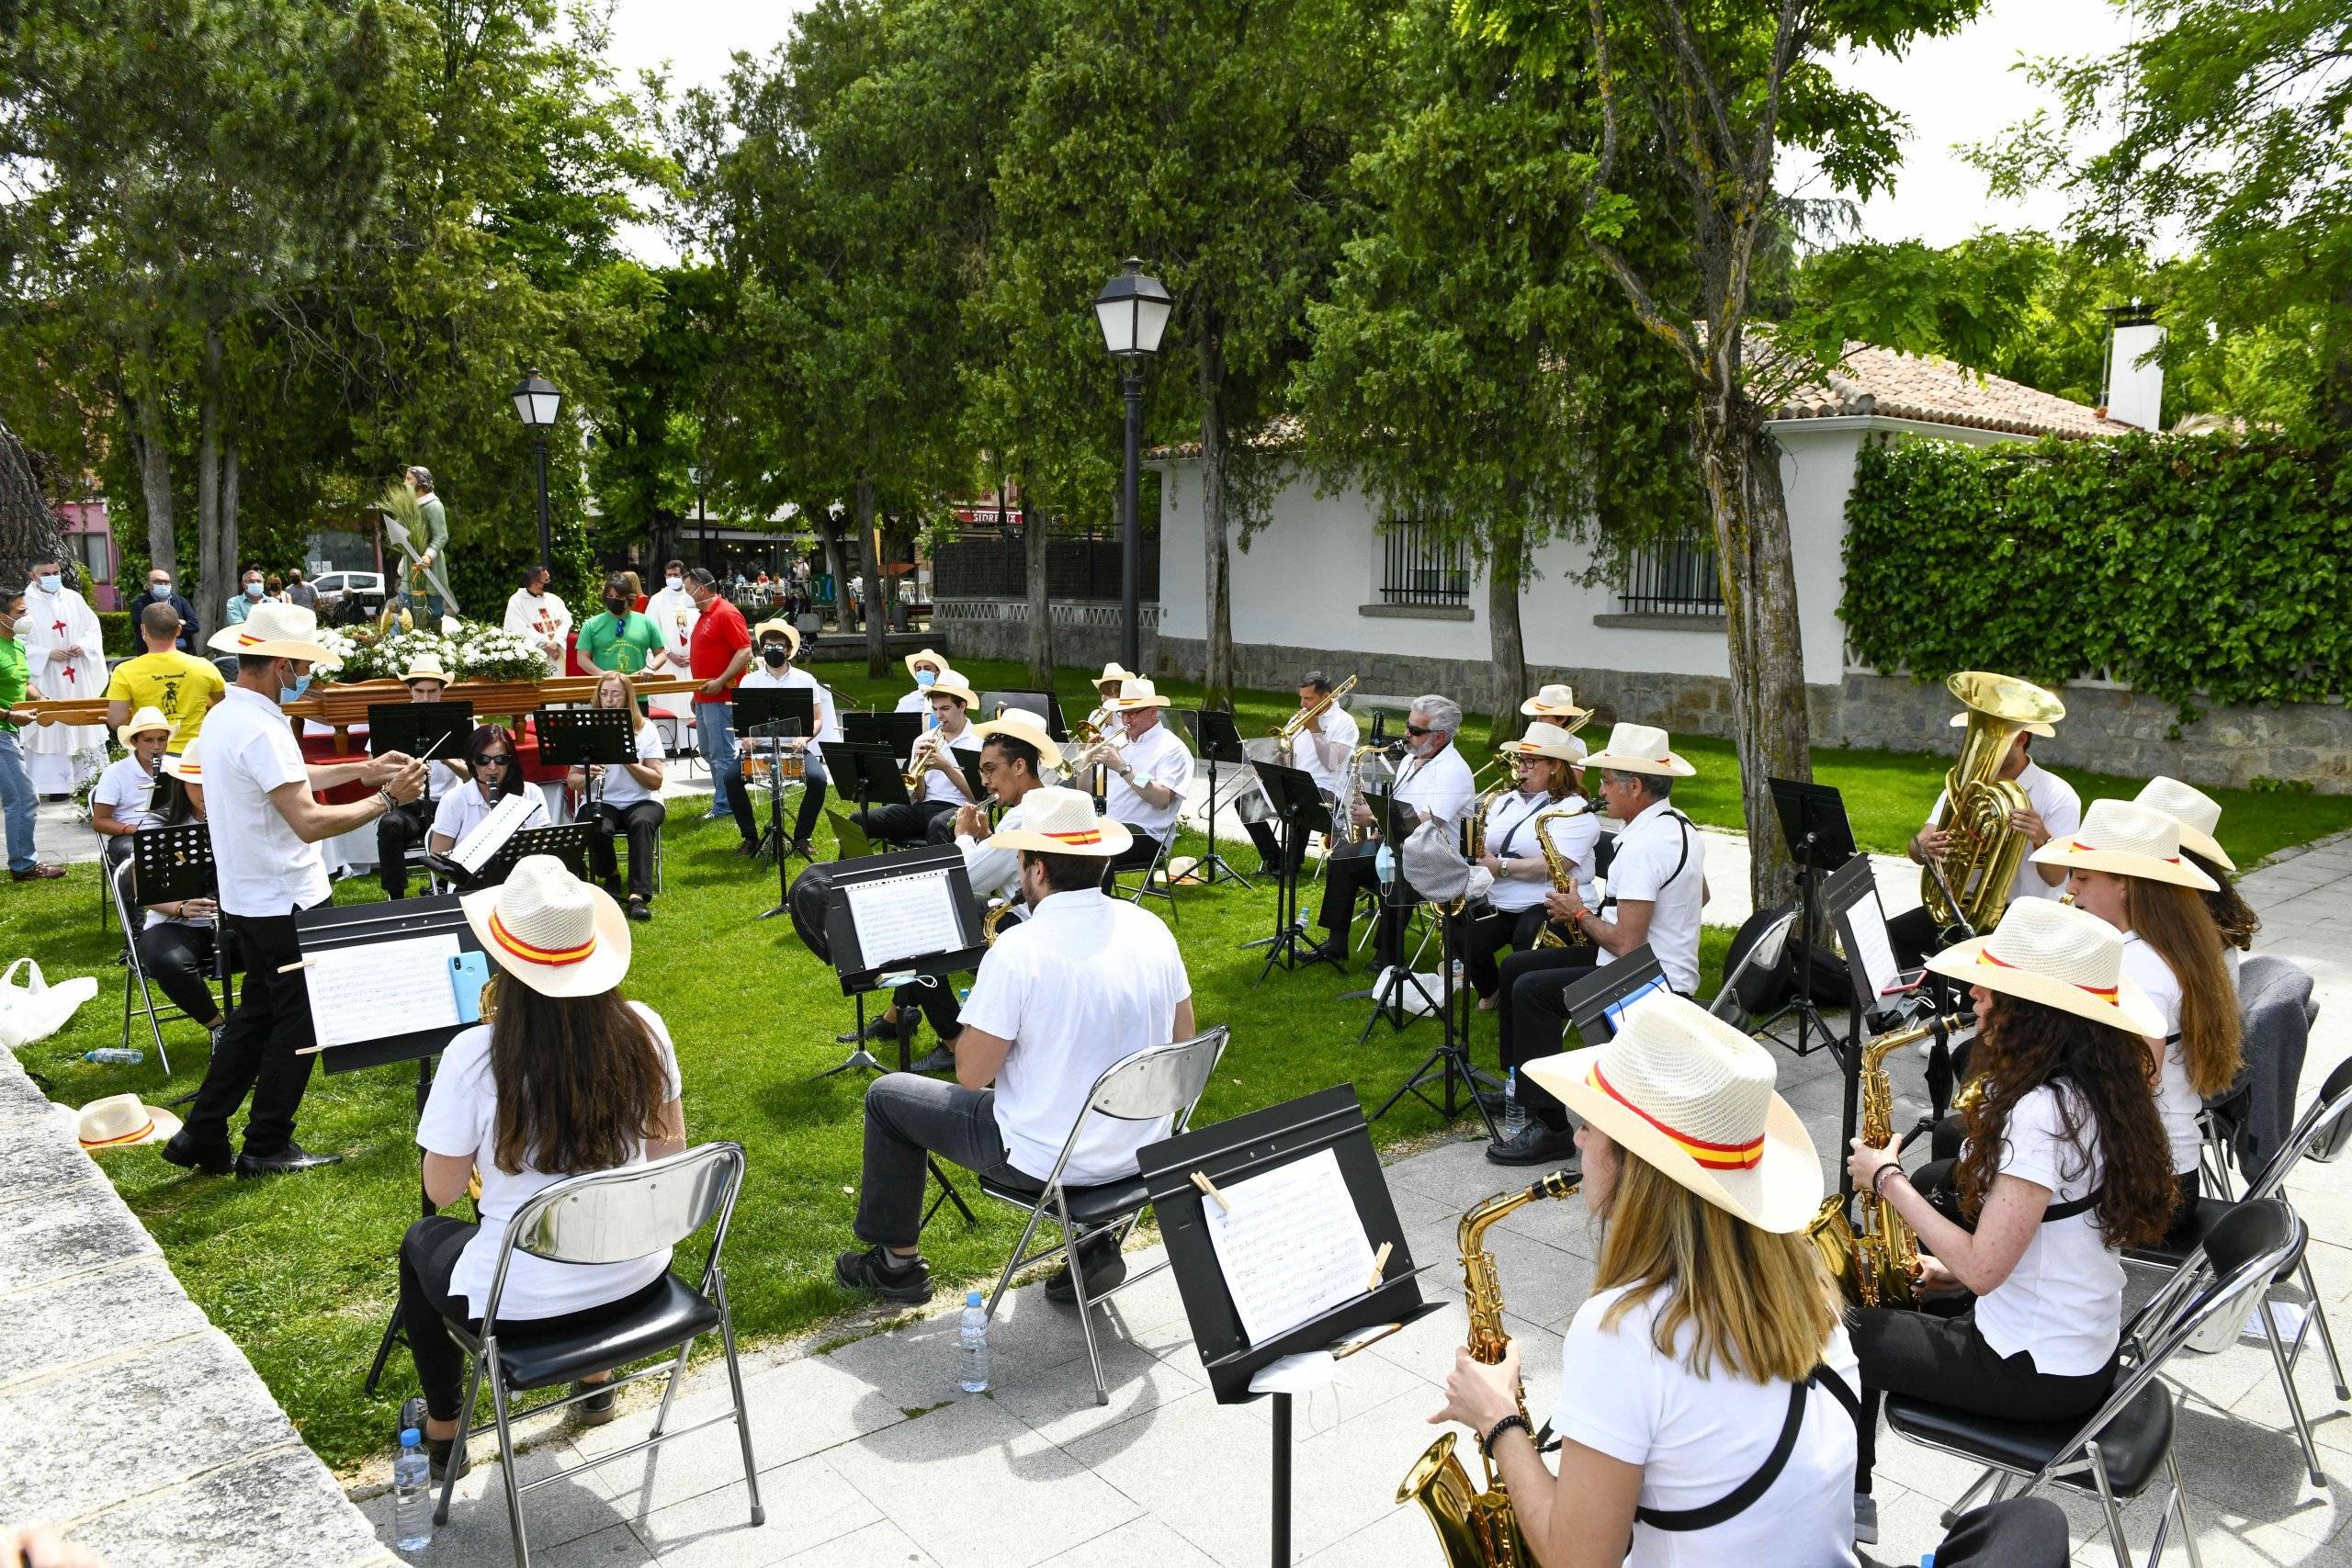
[490, 835]
[1615, 1012]
[904, 917]
[1866, 929]
[1294, 1245]
[375, 990]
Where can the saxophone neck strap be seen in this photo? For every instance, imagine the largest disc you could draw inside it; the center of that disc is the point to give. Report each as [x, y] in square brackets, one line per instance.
[1745, 1495]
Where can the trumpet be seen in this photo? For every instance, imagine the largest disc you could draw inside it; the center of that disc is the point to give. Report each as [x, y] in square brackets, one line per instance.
[918, 760]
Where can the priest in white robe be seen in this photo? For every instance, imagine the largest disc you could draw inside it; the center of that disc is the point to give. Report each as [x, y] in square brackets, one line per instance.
[674, 611]
[64, 658]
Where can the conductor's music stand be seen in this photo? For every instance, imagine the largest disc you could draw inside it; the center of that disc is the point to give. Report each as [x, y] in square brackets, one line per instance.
[420, 730]
[586, 738]
[1820, 839]
[868, 771]
[567, 841]
[1298, 806]
[1219, 740]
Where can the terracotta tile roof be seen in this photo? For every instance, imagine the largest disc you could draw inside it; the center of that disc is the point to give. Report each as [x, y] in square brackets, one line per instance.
[1910, 386]
[1281, 432]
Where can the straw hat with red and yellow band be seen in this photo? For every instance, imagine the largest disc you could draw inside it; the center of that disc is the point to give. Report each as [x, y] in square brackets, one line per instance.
[2060, 956]
[1057, 821]
[549, 929]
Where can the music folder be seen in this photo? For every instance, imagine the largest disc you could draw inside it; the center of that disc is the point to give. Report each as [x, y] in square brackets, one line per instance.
[909, 913]
[377, 978]
[1600, 1001]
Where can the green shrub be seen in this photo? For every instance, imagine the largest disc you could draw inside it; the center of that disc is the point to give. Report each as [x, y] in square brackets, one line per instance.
[121, 637]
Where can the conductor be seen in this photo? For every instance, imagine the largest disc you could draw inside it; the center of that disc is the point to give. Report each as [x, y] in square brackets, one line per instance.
[266, 826]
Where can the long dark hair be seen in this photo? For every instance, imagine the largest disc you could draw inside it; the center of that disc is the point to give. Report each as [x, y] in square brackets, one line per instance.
[2172, 920]
[481, 738]
[580, 1080]
[2020, 1047]
[2232, 916]
[173, 807]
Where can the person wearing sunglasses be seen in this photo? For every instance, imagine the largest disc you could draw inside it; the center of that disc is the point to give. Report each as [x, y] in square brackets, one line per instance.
[1433, 784]
[491, 757]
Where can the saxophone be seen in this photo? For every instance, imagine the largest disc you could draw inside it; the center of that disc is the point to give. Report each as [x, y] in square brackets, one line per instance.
[1477, 1530]
[1561, 873]
[1876, 1264]
[1971, 882]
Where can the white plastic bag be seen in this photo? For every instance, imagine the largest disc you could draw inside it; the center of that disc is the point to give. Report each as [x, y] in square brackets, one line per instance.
[36, 1011]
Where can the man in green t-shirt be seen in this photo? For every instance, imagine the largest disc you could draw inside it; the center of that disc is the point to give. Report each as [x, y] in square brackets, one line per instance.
[19, 810]
[182, 685]
[622, 638]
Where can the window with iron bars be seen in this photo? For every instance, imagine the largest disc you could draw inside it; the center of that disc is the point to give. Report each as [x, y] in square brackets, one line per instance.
[1675, 578]
[1420, 566]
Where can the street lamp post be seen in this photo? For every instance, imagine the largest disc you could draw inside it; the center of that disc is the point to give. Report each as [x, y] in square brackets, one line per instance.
[1133, 309]
[536, 403]
[701, 477]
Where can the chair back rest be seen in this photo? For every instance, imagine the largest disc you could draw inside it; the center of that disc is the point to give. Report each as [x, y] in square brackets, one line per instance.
[613, 1217]
[1159, 1080]
[2245, 1248]
[2323, 1126]
[1751, 986]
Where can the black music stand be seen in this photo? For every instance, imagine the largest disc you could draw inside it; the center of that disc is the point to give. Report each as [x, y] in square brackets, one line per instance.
[1045, 704]
[568, 841]
[168, 865]
[1820, 839]
[420, 730]
[1394, 905]
[756, 705]
[1298, 806]
[899, 731]
[776, 841]
[859, 975]
[585, 738]
[1450, 1062]
[1232, 1152]
[1849, 894]
[330, 927]
[869, 772]
[1596, 1003]
[1219, 740]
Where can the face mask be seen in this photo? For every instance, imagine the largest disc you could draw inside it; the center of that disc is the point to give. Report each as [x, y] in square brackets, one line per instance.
[253, 590]
[775, 658]
[924, 678]
[289, 694]
[160, 589]
[673, 583]
[48, 581]
[619, 608]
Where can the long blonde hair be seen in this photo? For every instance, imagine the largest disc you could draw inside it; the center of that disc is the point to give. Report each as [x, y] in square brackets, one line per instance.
[2174, 921]
[628, 697]
[1756, 1301]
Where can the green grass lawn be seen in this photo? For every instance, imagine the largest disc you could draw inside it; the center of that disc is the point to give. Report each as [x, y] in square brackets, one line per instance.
[300, 1271]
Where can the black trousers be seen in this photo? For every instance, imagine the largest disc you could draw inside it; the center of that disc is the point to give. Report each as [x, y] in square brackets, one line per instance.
[901, 824]
[260, 1051]
[1486, 933]
[937, 1002]
[641, 823]
[747, 811]
[1346, 877]
[1531, 1016]
[428, 1257]
[178, 958]
[2018, 1532]
[1273, 853]
[1945, 1359]
[1141, 850]
[398, 831]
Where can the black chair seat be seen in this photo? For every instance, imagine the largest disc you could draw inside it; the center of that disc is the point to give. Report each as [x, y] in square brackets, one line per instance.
[2132, 1444]
[542, 1361]
[1088, 1206]
[2174, 1250]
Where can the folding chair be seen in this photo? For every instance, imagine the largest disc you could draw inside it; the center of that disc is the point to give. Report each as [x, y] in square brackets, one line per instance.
[114, 885]
[608, 1216]
[2321, 1123]
[1160, 1080]
[2127, 1443]
[1149, 884]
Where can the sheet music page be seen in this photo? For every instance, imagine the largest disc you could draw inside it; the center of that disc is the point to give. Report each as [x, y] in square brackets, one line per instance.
[904, 917]
[377, 990]
[1866, 925]
[1294, 1245]
[490, 835]
[1615, 1012]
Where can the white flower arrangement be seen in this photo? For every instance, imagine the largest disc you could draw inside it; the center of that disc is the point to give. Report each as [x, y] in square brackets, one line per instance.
[471, 651]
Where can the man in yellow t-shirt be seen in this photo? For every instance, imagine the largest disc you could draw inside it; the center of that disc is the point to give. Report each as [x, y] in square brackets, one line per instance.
[184, 686]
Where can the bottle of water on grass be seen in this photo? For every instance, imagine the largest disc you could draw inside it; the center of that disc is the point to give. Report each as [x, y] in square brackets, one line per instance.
[972, 1346]
[1514, 1116]
[411, 1494]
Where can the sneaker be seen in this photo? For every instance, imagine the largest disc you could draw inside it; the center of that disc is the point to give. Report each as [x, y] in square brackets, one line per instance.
[1865, 1520]
[1538, 1145]
[875, 1270]
[1107, 1265]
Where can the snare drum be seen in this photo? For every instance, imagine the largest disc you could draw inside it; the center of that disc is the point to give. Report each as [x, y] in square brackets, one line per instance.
[793, 766]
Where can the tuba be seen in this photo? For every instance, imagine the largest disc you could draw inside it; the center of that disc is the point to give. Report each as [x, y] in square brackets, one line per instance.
[1876, 1264]
[1477, 1530]
[1970, 883]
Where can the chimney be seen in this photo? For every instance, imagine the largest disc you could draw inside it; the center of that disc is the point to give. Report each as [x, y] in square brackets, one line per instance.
[2135, 391]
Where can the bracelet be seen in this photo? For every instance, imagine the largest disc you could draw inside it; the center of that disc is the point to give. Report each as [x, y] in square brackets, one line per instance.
[385, 797]
[1494, 1433]
[1878, 1182]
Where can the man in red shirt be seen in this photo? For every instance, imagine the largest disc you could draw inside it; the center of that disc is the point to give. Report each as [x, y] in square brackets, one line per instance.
[716, 654]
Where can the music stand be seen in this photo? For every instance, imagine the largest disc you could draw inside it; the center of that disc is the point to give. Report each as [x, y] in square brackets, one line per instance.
[421, 730]
[1045, 704]
[568, 841]
[1820, 839]
[1600, 1001]
[860, 974]
[899, 731]
[1228, 1153]
[1450, 1062]
[1394, 905]
[1851, 896]
[585, 738]
[868, 771]
[758, 706]
[168, 865]
[1298, 805]
[1219, 740]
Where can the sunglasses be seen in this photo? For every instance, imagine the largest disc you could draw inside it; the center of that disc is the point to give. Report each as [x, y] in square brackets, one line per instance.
[1417, 729]
[490, 759]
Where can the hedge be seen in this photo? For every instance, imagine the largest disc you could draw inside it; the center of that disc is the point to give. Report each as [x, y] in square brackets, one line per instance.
[114, 626]
[2193, 568]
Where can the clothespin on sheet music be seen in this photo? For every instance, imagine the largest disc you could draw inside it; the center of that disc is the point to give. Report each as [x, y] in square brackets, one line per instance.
[1201, 1180]
[1379, 1265]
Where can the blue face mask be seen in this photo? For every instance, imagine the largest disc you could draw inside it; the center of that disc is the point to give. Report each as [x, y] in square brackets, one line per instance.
[253, 590]
[160, 589]
[924, 678]
[289, 694]
[48, 581]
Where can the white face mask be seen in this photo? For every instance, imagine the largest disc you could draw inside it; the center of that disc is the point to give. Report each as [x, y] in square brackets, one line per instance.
[253, 590]
[48, 581]
[675, 583]
[160, 589]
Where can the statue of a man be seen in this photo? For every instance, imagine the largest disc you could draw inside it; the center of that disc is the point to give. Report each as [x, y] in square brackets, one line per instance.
[424, 563]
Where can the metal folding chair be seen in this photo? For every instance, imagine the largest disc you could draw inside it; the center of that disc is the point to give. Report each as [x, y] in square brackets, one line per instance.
[1155, 1082]
[1150, 884]
[114, 886]
[608, 1216]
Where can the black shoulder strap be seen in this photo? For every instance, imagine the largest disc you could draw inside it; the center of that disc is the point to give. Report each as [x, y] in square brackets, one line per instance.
[1743, 1496]
[2069, 1209]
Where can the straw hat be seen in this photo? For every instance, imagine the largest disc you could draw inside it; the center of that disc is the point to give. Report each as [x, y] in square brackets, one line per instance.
[948, 683]
[1134, 693]
[1547, 741]
[2199, 814]
[551, 930]
[1556, 702]
[424, 667]
[273, 630]
[1020, 724]
[1638, 748]
[781, 627]
[2128, 840]
[1693, 1096]
[1112, 671]
[145, 719]
[119, 1121]
[1057, 821]
[2031, 726]
[929, 656]
[2060, 956]
[182, 765]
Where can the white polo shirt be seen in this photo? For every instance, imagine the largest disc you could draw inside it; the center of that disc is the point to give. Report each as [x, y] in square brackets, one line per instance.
[1340, 737]
[2064, 1297]
[1511, 835]
[618, 787]
[916, 701]
[129, 789]
[995, 872]
[249, 749]
[461, 810]
[1442, 785]
[2061, 810]
[1649, 850]
[1082, 983]
[1158, 756]
[938, 786]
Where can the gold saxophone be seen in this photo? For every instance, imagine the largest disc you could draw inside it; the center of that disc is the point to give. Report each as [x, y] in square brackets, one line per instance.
[1970, 882]
[1878, 1263]
[1479, 1529]
[1562, 874]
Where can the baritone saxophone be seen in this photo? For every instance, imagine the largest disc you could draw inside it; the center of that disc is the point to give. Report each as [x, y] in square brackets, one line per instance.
[1474, 1528]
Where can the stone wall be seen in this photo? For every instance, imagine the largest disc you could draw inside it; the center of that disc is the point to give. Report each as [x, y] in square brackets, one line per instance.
[126, 1418]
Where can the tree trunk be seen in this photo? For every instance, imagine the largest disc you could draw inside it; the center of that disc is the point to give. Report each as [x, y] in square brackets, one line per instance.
[1740, 466]
[1037, 544]
[1506, 578]
[869, 545]
[216, 567]
[155, 485]
[229, 493]
[1216, 675]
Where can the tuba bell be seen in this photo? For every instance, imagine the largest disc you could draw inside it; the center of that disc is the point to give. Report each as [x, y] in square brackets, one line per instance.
[1969, 883]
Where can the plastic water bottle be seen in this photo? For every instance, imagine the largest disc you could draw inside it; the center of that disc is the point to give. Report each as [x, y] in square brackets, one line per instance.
[972, 1345]
[1514, 1116]
[129, 1058]
[411, 1494]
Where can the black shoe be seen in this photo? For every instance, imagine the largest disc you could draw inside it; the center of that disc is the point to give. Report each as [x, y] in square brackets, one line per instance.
[287, 1161]
[1537, 1145]
[878, 1029]
[939, 1060]
[600, 1406]
[1333, 951]
[748, 848]
[1107, 1265]
[188, 1154]
[874, 1270]
[638, 909]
